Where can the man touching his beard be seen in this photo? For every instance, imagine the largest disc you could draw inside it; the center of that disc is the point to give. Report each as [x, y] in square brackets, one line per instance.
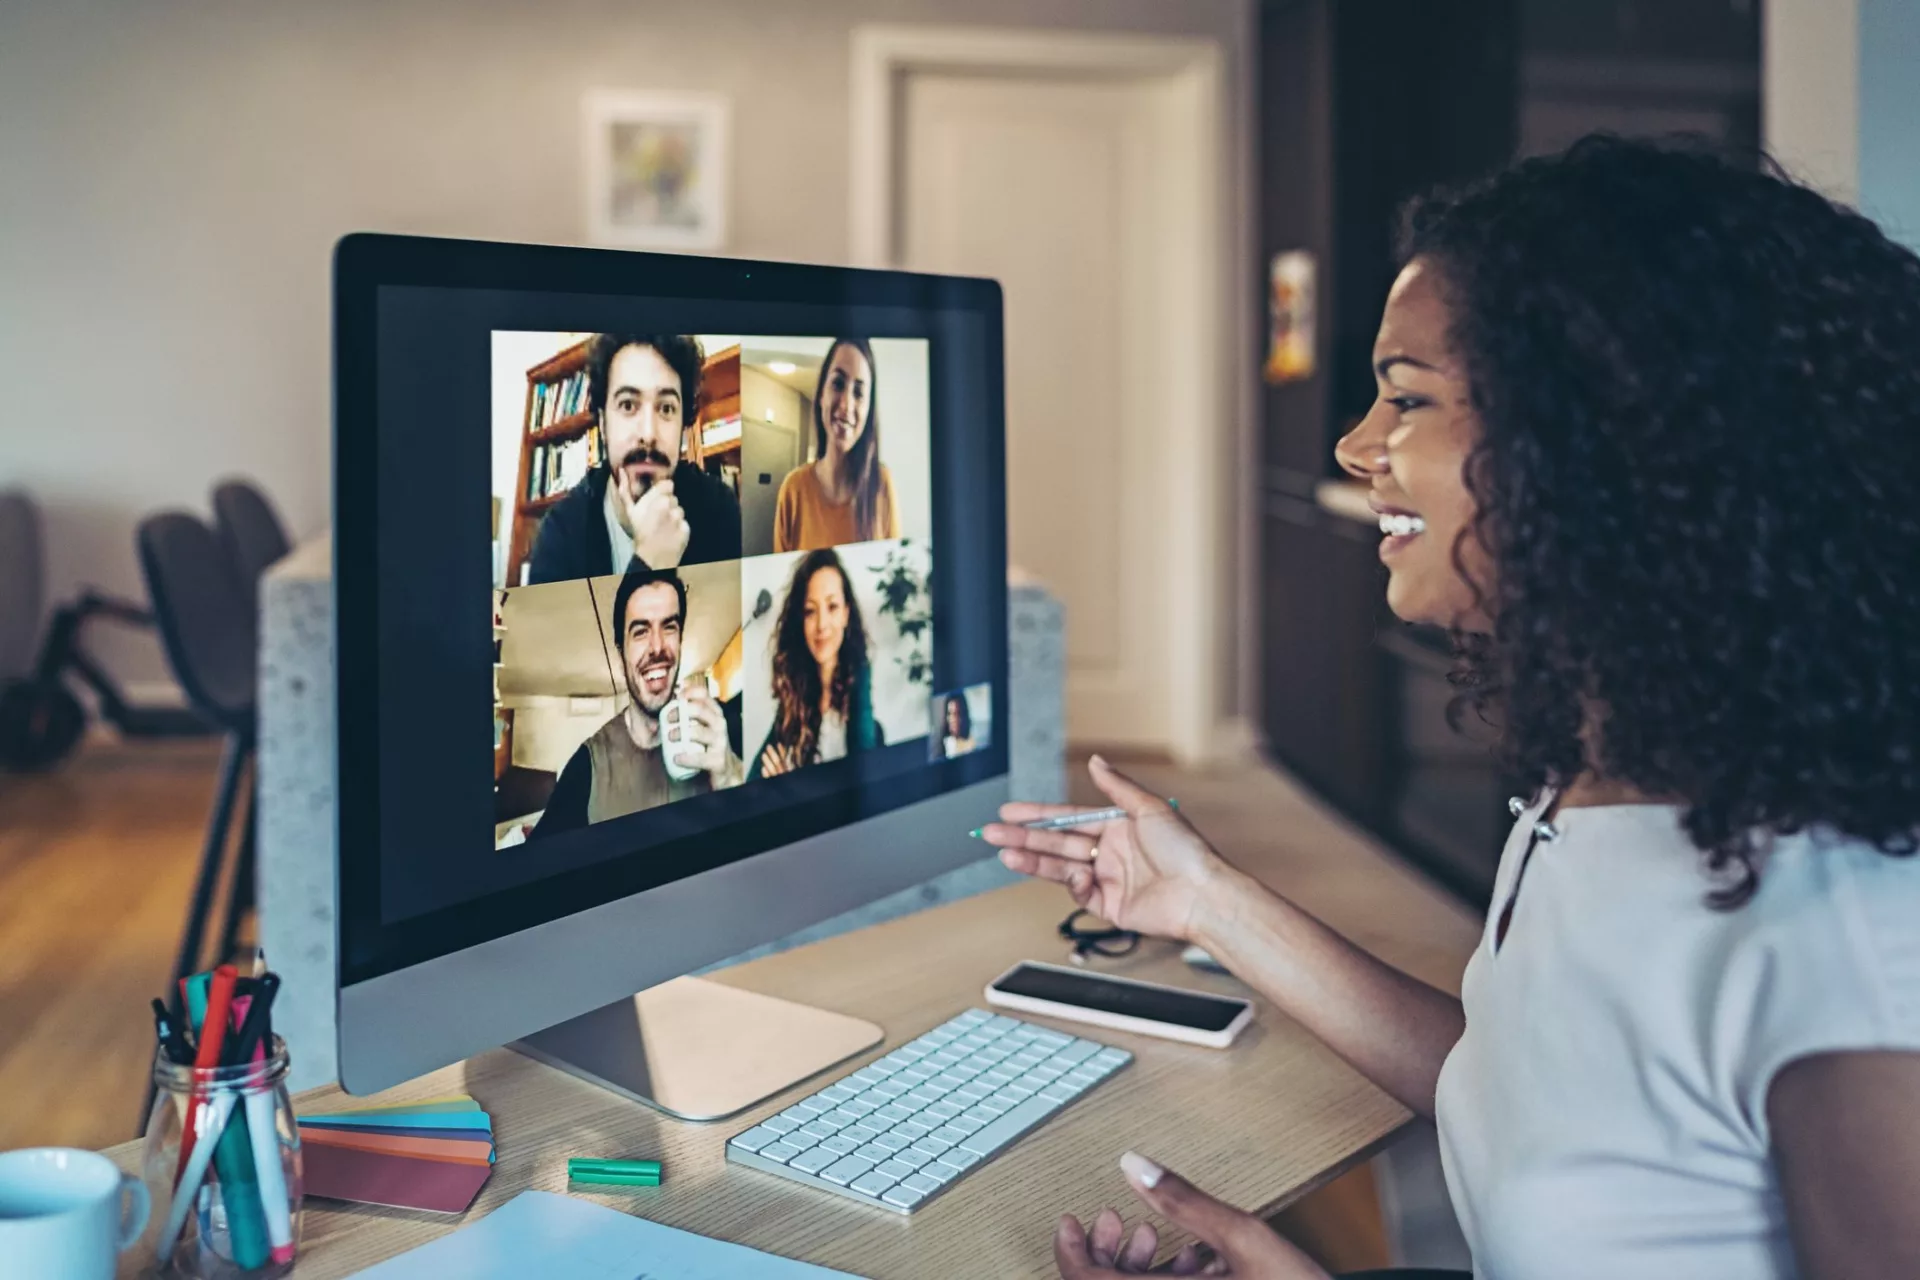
[644, 505]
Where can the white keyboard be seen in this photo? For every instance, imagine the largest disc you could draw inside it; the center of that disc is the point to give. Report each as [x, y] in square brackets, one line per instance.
[901, 1130]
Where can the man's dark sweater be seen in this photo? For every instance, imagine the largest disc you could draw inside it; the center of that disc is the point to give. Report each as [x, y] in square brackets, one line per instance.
[573, 542]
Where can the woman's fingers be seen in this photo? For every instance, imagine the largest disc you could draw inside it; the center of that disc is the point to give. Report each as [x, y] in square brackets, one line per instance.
[1040, 865]
[1065, 844]
[1244, 1245]
[1137, 1254]
[1186, 1262]
[1103, 1242]
[1030, 811]
[1070, 1250]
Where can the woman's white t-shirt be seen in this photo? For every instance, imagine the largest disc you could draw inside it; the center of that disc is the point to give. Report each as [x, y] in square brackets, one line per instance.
[1605, 1114]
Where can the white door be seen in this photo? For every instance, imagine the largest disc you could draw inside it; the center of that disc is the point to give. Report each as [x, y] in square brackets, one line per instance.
[1057, 186]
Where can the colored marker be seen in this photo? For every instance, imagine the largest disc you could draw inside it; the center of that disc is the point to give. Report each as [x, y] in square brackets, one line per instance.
[619, 1168]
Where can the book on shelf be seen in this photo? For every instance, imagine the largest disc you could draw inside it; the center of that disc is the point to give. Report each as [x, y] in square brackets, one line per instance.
[558, 466]
[557, 401]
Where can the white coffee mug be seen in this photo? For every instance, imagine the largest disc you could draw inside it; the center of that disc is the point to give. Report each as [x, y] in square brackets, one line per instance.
[673, 720]
[65, 1214]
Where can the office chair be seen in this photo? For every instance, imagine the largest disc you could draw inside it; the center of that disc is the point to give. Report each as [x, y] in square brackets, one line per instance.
[208, 632]
[253, 534]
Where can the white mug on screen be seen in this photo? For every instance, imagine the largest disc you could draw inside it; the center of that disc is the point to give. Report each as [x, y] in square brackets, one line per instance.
[66, 1213]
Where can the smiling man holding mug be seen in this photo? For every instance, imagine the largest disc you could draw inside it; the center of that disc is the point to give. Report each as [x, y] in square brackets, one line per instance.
[626, 766]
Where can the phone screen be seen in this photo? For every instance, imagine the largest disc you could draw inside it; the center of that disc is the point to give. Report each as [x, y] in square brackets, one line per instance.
[1107, 995]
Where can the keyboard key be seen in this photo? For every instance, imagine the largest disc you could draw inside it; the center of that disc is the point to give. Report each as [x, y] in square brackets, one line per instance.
[895, 1170]
[816, 1131]
[976, 1115]
[960, 1159]
[755, 1138]
[996, 1105]
[914, 1074]
[894, 1113]
[904, 1196]
[888, 1089]
[801, 1140]
[948, 1133]
[811, 1105]
[839, 1144]
[935, 1143]
[1055, 1092]
[859, 1108]
[973, 1091]
[1016, 1092]
[846, 1169]
[1000, 1024]
[942, 1110]
[1078, 1051]
[871, 1074]
[861, 1133]
[969, 1018]
[1048, 1036]
[837, 1093]
[813, 1161]
[784, 1123]
[874, 1183]
[779, 1151]
[912, 1129]
[1009, 1126]
[1118, 1057]
[892, 1142]
[874, 1152]
[913, 1157]
[940, 1173]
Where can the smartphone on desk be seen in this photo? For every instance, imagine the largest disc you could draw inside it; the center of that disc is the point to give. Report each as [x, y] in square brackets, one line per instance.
[1146, 1008]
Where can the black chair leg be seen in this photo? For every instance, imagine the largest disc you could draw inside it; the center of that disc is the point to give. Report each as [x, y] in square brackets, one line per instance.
[241, 891]
[233, 763]
[233, 760]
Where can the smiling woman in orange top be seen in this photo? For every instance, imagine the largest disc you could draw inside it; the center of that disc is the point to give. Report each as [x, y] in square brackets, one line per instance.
[846, 493]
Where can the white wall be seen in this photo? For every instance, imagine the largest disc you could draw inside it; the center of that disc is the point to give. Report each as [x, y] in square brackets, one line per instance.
[175, 176]
[1810, 91]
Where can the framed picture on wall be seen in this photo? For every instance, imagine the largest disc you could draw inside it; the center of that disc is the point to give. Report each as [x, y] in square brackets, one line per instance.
[656, 169]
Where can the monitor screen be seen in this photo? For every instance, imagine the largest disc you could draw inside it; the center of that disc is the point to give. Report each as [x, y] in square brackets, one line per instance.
[666, 572]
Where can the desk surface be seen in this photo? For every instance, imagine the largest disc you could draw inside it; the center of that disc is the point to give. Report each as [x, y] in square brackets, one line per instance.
[1260, 1124]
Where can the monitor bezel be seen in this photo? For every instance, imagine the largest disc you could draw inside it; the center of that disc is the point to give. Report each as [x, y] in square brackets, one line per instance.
[369, 947]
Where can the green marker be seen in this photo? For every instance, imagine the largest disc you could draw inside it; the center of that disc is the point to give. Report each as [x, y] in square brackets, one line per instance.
[616, 1173]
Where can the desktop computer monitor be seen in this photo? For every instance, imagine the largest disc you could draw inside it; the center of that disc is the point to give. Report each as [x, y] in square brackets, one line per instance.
[671, 618]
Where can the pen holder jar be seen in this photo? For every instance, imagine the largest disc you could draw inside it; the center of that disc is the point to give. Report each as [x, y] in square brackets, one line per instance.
[222, 1163]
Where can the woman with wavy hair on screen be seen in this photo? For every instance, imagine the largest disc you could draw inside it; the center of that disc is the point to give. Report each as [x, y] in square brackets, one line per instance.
[822, 680]
[846, 493]
[1646, 439]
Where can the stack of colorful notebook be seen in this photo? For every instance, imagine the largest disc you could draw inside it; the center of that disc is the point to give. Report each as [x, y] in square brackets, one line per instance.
[433, 1155]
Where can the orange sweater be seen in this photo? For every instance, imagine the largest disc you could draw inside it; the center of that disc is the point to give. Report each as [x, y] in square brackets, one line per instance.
[805, 521]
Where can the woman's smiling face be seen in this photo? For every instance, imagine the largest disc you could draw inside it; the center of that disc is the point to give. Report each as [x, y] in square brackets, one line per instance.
[1412, 447]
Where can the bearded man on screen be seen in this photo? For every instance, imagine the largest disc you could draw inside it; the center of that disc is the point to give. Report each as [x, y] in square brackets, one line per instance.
[644, 505]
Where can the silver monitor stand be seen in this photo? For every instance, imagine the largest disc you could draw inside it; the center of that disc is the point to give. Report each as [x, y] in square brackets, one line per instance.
[699, 1049]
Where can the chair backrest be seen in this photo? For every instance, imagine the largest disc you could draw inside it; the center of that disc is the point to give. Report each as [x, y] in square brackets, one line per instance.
[207, 626]
[22, 583]
[253, 534]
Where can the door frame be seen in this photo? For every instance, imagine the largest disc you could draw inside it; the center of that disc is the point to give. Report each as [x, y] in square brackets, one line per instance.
[1192, 286]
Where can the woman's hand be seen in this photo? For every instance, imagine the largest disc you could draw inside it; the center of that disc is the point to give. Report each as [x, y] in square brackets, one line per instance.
[1241, 1244]
[1144, 872]
[776, 759]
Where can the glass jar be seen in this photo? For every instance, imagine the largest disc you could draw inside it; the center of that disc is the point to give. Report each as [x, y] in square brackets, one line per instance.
[240, 1217]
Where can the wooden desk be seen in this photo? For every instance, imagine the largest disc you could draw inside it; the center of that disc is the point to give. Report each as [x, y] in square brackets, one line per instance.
[1260, 1124]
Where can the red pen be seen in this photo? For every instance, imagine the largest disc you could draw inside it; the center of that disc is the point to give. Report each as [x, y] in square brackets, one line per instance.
[213, 1035]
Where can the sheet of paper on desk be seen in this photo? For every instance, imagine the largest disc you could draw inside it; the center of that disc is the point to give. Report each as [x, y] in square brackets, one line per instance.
[539, 1233]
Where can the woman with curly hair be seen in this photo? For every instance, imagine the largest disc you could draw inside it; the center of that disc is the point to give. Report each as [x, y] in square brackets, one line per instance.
[822, 683]
[1647, 440]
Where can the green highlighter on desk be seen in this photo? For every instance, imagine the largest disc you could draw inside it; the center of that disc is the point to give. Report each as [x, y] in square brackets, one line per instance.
[614, 1173]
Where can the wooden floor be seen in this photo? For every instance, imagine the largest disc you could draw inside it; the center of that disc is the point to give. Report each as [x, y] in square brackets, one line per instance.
[97, 863]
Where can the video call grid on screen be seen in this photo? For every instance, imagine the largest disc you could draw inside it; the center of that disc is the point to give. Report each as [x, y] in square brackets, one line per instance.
[917, 642]
[810, 631]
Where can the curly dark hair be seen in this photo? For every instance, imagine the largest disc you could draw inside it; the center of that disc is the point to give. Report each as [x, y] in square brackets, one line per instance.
[1699, 387]
[796, 676]
[678, 350]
